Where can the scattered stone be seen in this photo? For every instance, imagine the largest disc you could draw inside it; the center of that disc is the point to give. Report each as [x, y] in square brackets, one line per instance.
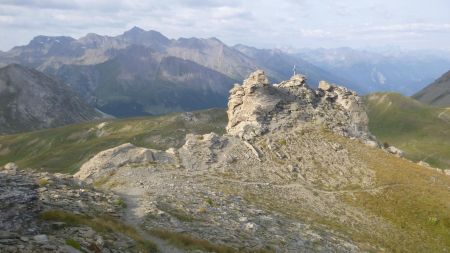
[395, 151]
[42, 239]
[250, 226]
[11, 166]
[372, 143]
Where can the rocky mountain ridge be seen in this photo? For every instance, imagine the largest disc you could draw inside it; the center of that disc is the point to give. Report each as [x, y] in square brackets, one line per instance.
[31, 100]
[436, 93]
[143, 72]
[404, 72]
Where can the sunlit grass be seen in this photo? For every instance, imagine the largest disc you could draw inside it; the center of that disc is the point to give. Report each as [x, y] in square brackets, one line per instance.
[420, 130]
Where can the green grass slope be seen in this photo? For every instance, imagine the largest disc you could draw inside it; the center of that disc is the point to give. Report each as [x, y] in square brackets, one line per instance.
[422, 131]
[65, 149]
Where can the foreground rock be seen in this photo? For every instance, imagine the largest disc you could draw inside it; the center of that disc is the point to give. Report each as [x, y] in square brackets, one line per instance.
[42, 212]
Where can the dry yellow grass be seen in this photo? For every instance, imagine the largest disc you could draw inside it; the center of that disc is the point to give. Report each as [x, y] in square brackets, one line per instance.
[414, 199]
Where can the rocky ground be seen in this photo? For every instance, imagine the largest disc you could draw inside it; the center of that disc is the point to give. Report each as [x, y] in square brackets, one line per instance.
[42, 212]
[299, 173]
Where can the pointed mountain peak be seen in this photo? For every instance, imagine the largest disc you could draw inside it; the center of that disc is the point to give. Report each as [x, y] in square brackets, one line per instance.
[135, 30]
[139, 36]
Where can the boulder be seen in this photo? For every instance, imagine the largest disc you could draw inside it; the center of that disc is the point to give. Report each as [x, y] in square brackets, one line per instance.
[11, 166]
[108, 161]
[323, 85]
[372, 143]
[395, 151]
[41, 239]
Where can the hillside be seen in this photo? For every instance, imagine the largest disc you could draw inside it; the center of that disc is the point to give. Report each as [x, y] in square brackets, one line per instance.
[421, 131]
[31, 100]
[437, 93]
[65, 149]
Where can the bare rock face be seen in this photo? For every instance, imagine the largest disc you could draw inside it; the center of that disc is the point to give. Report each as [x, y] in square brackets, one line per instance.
[256, 107]
[106, 162]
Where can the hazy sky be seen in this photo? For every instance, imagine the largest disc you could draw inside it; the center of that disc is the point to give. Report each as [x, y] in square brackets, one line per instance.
[409, 24]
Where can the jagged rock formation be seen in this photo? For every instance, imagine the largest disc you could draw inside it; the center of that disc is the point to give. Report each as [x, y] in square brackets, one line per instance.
[256, 107]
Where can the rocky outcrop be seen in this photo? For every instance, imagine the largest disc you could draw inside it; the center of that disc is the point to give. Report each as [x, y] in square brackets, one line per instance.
[106, 162]
[256, 107]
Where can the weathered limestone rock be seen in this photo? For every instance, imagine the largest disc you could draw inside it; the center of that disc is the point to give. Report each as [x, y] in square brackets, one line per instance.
[323, 85]
[11, 166]
[109, 160]
[256, 107]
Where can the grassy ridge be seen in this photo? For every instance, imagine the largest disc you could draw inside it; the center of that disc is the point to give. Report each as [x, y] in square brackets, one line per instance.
[414, 201]
[422, 131]
[65, 149]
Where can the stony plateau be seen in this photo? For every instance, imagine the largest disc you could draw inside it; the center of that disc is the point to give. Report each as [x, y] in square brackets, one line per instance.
[296, 171]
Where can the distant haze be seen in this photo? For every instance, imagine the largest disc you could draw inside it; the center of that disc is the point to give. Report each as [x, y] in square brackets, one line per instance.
[407, 24]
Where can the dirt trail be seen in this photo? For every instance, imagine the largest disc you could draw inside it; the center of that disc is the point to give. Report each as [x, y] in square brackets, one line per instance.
[134, 216]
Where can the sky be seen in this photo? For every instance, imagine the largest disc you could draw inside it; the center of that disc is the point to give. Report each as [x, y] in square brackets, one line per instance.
[288, 24]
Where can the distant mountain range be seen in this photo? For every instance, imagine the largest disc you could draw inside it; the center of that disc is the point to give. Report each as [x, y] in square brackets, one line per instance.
[403, 72]
[31, 100]
[437, 93]
[143, 72]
